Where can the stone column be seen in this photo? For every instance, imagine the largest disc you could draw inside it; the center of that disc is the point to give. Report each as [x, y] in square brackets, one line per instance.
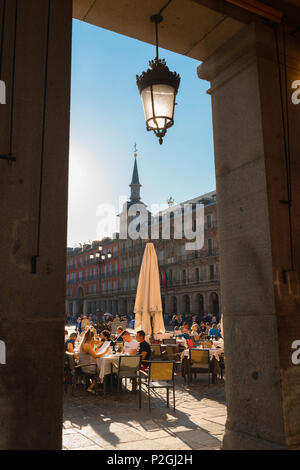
[260, 302]
[74, 307]
[36, 65]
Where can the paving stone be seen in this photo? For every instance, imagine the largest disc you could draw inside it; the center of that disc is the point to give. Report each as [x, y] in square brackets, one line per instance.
[116, 422]
[198, 438]
[76, 441]
[218, 419]
[155, 444]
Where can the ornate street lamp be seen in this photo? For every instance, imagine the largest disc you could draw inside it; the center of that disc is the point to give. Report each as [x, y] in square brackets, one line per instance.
[158, 89]
[99, 257]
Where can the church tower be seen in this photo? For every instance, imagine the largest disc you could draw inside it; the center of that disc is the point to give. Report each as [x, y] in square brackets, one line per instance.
[135, 198]
[135, 185]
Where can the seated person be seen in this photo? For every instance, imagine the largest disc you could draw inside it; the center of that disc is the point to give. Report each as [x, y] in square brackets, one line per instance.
[185, 332]
[104, 336]
[70, 344]
[177, 331]
[131, 345]
[214, 331]
[195, 334]
[87, 355]
[144, 348]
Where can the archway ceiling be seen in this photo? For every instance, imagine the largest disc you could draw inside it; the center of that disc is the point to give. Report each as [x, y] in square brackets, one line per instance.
[195, 28]
[188, 28]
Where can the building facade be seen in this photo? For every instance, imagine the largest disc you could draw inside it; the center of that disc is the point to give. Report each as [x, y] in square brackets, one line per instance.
[189, 278]
[89, 281]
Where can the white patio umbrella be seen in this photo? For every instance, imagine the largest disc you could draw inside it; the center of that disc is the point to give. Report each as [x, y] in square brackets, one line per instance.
[148, 307]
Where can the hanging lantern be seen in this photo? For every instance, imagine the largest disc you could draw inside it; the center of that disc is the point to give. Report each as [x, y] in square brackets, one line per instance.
[158, 89]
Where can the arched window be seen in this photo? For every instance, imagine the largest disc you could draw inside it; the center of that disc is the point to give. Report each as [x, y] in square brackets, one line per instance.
[200, 303]
[186, 303]
[214, 303]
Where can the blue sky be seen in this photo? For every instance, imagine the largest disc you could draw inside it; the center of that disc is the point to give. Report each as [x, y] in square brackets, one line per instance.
[107, 119]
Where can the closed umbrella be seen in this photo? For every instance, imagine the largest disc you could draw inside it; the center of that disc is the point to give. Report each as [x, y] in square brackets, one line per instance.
[148, 307]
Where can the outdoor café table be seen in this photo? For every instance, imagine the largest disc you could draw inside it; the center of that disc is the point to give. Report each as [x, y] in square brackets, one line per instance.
[105, 364]
[214, 356]
[182, 342]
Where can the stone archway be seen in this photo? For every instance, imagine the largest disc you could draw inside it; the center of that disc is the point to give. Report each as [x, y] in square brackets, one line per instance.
[186, 304]
[244, 76]
[200, 304]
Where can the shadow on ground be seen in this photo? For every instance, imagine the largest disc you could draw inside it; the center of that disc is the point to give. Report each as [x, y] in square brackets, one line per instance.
[116, 422]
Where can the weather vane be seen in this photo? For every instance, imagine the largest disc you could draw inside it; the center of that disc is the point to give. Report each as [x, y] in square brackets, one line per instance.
[171, 201]
[135, 150]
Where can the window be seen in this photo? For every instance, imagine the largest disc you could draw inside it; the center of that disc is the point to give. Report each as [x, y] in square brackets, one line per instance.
[197, 274]
[209, 221]
[211, 272]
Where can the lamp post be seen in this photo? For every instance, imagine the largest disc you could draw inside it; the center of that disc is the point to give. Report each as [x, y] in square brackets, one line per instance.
[158, 88]
[99, 257]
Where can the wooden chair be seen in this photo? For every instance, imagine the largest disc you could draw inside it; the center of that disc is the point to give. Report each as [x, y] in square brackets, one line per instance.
[156, 352]
[128, 368]
[198, 363]
[74, 374]
[169, 341]
[171, 353]
[160, 375]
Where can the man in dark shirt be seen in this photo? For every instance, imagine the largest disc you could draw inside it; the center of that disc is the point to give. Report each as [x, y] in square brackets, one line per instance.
[144, 348]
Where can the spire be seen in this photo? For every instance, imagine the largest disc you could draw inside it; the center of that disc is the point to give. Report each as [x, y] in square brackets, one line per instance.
[135, 182]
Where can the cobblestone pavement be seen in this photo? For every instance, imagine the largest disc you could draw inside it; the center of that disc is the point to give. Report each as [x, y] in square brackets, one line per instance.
[116, 422]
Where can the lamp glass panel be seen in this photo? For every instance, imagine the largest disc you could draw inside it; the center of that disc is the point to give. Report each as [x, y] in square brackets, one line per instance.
[163, 101]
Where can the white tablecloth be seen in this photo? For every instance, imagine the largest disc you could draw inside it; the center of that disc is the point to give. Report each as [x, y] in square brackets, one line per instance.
[104, 364]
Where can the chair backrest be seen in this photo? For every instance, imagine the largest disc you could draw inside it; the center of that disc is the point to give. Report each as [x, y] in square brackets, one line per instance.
[171, 349]
[168, 341]
[155, 350]
[199, 357]
[162, 370]
[129, 363]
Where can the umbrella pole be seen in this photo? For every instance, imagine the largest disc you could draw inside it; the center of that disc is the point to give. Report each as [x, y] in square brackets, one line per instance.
[152, 335]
